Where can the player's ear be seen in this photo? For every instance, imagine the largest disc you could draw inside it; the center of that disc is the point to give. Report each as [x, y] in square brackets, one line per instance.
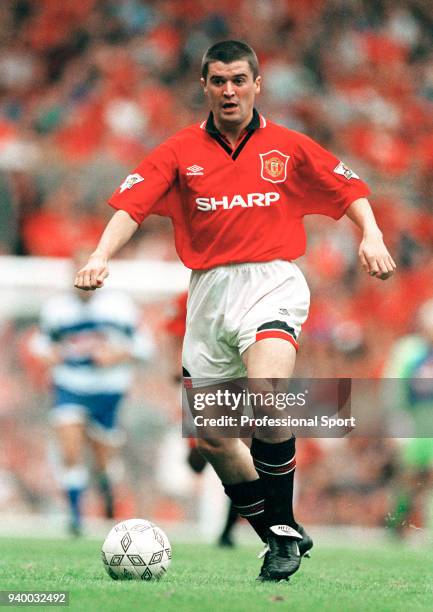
[258, 84]
[203, 84]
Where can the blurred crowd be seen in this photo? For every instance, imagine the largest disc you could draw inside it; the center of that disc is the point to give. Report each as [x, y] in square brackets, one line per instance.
[88, 87]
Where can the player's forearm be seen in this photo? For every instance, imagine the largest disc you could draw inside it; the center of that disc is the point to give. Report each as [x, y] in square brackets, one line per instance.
[361, 214]
[373, 254]
[118, 232]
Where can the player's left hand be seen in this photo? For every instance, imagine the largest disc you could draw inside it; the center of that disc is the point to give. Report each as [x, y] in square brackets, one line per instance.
[375, 257]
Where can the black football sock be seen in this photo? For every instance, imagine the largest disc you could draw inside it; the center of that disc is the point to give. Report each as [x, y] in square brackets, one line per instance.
[105, 488]
[232, 517]
[275, 464]
[248, 501]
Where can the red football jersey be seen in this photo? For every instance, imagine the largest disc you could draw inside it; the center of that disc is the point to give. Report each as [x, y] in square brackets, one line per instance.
[242, 205]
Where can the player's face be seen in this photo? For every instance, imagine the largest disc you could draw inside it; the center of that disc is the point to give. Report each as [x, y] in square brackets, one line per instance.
[231, 90]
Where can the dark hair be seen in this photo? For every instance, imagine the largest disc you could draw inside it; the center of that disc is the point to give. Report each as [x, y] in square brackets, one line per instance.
[228, 51]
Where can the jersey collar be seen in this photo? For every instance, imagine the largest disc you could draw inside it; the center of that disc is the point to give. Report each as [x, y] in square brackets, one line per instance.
[257, 121]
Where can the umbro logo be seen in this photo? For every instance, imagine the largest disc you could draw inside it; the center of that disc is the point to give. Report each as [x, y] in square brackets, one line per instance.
[195, 170]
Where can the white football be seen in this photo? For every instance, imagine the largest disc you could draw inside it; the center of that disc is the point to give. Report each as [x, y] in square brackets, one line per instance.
[136, 549]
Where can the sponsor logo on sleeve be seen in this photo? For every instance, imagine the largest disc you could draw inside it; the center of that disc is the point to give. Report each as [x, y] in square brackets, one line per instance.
[274, 166]
[342, 169]
[130, 181]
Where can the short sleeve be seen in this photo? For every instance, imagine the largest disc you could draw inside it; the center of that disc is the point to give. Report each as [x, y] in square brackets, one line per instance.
[145, 191]
[329, 185]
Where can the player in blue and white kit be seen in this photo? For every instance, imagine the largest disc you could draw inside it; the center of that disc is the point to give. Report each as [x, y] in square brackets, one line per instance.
[90, 342]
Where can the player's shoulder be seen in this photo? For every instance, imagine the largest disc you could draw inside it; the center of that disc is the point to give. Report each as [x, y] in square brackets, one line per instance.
[60, 302]
[293, 138]
[278, 128]
[188, 133]
[112, 297]
[178, 143]
[113, 304]
[59, 307]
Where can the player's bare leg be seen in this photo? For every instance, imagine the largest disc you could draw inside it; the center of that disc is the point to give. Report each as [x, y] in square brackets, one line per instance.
[232, 517]
[268, 362]
[102, 454]
[233, 463]
[198, 462]
[71, 439]
[229, 457]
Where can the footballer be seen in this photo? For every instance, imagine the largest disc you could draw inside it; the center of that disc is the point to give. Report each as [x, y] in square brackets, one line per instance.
[237, 187]
[89, 343]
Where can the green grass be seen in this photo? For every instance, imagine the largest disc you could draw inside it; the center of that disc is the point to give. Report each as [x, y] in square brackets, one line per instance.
[204, 578]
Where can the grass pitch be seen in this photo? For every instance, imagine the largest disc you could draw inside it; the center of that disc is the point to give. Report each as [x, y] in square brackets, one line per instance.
[204, 578]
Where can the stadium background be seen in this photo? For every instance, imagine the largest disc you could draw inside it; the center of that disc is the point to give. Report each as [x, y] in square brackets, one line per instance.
[87, 87]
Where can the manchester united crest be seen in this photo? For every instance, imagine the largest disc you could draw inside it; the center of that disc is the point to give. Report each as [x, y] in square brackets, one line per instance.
[274, 166]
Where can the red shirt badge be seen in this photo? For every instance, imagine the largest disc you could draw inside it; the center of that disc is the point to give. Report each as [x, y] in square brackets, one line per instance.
[274, 166]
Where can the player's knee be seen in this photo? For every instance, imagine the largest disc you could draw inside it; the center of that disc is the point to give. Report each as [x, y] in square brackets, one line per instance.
[205, 447]
[210, 448]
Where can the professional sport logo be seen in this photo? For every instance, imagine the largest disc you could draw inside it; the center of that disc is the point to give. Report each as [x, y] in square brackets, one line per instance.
[130, 181]
[274, 166]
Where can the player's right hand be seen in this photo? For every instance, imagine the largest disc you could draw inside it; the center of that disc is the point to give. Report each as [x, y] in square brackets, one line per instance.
[93, 274]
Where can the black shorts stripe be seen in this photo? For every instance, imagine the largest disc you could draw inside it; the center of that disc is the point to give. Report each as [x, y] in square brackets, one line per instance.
[278, 325]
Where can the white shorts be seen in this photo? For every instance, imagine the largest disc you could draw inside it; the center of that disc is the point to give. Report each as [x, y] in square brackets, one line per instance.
[232, 307]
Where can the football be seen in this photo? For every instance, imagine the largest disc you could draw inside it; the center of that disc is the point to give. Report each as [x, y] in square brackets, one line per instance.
[136, 549]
